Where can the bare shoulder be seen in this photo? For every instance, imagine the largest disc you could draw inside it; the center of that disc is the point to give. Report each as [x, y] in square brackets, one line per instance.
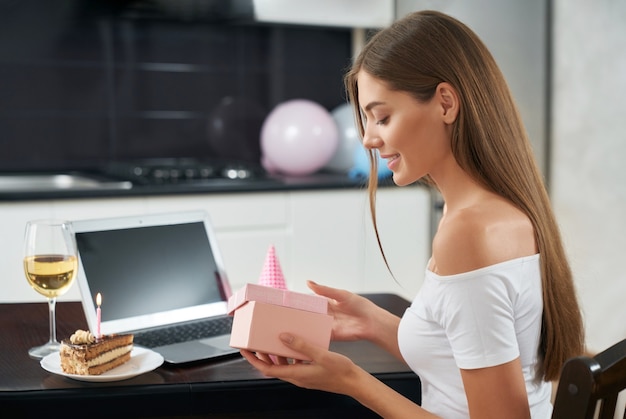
[480, 235]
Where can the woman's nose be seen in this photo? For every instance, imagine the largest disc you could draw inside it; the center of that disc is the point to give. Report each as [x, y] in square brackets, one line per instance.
[371, 139]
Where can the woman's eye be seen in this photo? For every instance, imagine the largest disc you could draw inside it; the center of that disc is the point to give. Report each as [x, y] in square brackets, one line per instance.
[382, 121]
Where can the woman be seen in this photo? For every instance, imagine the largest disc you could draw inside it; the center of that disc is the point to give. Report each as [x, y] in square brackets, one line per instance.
[497, 314]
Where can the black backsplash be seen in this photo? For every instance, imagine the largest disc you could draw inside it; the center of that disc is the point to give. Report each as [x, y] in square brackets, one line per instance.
[82, 84]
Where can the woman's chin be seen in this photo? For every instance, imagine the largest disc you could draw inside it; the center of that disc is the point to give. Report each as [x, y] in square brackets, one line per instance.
[400, 180]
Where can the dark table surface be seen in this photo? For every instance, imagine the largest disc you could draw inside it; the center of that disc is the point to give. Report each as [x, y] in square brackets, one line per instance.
[220, 388]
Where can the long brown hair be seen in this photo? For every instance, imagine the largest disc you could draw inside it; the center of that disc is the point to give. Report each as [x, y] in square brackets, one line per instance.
[489, 142]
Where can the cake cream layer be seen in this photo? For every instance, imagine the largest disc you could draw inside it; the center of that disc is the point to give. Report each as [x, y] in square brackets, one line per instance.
[101, 359]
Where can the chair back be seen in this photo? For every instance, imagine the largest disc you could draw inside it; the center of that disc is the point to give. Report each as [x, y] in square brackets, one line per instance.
[588, 384]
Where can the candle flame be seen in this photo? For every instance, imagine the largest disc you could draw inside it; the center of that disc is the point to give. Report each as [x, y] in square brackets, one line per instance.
[98, 299]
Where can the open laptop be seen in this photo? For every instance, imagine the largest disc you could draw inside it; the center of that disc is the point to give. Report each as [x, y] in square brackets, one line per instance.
[157, 274]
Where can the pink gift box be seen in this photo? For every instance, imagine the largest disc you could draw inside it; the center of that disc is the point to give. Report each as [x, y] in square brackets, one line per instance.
[262, 313]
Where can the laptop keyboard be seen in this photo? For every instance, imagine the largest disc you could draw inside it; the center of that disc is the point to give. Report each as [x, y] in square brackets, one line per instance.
[184, 332]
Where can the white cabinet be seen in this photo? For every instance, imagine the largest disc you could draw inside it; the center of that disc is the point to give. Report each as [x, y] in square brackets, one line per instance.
[323, 235]
[13, 218]
[333, 242]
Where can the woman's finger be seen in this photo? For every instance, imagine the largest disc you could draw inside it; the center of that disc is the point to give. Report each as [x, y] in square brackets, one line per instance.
[308, 350]
[328, 292]
[281, 360]
[264, 357]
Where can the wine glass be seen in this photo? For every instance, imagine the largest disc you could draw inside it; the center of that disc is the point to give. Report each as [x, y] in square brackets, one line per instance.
[50, 264]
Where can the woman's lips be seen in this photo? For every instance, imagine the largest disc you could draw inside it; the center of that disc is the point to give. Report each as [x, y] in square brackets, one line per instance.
[391, 160]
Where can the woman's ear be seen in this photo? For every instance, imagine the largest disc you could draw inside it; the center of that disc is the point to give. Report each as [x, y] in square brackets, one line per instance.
[449, 101]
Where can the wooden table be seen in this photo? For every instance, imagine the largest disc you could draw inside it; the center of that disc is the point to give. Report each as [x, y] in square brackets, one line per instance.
[222, 389]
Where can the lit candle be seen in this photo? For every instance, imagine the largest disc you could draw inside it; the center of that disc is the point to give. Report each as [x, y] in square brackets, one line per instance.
[98, 315]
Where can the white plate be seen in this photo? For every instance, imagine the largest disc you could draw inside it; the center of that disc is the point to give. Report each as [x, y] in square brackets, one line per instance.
[142, 360]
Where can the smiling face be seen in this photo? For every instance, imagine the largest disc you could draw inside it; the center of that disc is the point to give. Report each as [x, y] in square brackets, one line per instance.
[413, 136]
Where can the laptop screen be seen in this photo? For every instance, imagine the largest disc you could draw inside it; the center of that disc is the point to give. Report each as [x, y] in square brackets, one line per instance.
[151, 270]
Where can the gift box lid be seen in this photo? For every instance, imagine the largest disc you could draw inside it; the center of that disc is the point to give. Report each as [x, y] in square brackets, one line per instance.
[280, 297]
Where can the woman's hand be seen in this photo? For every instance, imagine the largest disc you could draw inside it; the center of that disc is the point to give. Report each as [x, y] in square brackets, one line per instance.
[353, 315]
[327, 371]
[356, 317]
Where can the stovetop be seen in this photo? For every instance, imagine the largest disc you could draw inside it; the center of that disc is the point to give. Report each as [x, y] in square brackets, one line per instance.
[162, 177]
[184, 171]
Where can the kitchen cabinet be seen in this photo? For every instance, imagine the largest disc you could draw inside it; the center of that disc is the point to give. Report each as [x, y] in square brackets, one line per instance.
[323, 235]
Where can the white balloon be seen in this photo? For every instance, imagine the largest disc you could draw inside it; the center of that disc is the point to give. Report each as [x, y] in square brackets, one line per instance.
[343, 159]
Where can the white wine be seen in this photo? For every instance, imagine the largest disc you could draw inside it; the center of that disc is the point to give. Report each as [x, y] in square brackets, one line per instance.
[50, 275]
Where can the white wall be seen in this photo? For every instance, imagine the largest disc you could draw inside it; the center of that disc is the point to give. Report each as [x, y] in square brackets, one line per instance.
[515, 31]
[589, 148]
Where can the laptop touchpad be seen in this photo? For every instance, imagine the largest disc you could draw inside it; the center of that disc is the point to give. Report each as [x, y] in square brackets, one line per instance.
[221, 342]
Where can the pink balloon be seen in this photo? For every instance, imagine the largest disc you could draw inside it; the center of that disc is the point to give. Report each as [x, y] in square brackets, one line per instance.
[268, 165]
[298, 137]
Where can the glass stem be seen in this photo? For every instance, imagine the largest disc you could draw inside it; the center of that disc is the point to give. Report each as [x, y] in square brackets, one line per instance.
[53, 330]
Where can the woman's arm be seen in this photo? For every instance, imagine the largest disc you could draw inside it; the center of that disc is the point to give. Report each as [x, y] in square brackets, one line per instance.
[497, 392]
[333, 372]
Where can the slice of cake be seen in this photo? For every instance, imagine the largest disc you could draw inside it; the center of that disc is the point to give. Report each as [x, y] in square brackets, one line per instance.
[83, 354]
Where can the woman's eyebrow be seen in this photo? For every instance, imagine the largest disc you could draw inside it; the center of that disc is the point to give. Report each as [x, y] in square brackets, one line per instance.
[373, 104]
